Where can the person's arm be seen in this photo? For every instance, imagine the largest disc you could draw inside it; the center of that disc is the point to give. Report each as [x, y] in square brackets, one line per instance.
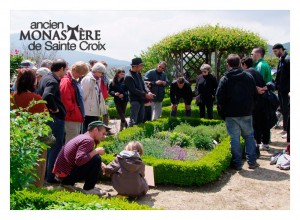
[85, 85]
[111, 89]
[112, 167]
[67, 97]
[48, 96]
[129, 82]
[86, 152]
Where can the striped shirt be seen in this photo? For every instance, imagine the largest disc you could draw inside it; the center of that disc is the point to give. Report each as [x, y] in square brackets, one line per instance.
[75, 152]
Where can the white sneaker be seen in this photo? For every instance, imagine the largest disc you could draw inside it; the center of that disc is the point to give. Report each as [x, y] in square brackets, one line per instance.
[264, 147]
[94, 191]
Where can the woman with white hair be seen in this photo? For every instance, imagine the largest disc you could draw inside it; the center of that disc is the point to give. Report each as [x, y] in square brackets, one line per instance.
[92, 94]
[205, 90]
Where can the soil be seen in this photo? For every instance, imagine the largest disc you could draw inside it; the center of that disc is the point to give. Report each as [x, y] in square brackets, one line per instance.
[234, 190]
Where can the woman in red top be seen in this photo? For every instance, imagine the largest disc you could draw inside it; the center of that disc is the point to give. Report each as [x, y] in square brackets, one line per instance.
[26, 83]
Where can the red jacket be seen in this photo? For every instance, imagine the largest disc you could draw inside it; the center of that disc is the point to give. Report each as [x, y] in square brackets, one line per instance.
[68, 98]
[104, 90]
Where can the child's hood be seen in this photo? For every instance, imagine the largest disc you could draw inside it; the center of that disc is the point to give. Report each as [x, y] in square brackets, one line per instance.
[130, 160]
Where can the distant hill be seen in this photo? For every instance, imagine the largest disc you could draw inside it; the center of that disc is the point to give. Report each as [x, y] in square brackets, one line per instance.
[285, 45]
[73, 56]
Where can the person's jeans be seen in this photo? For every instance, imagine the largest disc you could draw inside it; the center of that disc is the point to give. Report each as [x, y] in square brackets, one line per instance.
[137, 112]
[58, 131]
[88, 172]
[237, 126]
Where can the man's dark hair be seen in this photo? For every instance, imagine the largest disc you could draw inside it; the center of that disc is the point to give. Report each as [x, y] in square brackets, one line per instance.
[260, 50]
[233, 60]
[92, 62]
[248, 61]
[180, 80]
[58, 64]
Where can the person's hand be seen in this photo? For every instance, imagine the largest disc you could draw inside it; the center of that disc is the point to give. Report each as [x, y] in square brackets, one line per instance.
[53, 111]
[100, 150]
[117, 94]
[149, 95]
[103, 166]
[174, 107]
[121, 96]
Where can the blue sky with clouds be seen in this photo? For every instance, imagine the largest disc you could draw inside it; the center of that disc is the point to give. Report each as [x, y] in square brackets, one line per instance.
[128, 32]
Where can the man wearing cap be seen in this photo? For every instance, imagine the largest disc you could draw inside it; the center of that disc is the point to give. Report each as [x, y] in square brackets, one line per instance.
[138, 92]
[24, 64]
[283, 82]
[78, 160]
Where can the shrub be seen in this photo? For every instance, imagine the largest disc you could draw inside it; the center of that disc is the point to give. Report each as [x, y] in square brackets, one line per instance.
[203, 142]
[25, 146]
[43, 199]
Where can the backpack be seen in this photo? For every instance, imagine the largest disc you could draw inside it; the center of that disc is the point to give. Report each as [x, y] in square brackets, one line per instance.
[283, 162]
[275, 157]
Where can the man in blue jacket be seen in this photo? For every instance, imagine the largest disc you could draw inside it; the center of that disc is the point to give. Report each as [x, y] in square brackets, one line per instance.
[158, 81]
[236, 97]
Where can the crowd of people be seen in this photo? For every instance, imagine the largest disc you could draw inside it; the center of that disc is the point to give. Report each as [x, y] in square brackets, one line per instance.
[75, 99]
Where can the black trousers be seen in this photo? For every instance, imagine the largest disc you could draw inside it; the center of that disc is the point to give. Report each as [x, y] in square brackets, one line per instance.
[209, 108]
[261, 130]
[121, 109]
[88, 172]
[284, 100]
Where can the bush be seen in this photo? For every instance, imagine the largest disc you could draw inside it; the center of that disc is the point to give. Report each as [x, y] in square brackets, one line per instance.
[187, 173]
[25, 147]
[43, 199]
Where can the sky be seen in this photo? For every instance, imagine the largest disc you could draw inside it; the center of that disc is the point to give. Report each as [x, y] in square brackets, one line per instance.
[129, 26]
[128, 32]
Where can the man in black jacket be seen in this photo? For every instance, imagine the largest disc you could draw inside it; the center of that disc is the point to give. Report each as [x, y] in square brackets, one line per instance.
[283, 82]
[138, 92]
[181, 88]
[49, 90]
[236, 96]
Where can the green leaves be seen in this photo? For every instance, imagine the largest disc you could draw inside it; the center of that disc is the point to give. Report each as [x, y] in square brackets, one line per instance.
[25, 147]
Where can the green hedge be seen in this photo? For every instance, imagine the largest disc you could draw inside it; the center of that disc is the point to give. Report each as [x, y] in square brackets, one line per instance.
[43, 199]
[183, 173]
[166, 110]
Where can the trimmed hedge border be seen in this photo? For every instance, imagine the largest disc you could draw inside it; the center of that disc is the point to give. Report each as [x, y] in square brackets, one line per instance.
[183, 173]
[43, 199]
[166, 110]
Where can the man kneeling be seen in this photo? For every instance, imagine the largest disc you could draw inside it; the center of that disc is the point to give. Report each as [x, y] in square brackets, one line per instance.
[79, 161]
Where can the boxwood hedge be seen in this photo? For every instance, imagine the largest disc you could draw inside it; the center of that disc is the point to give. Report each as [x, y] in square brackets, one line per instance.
[183, 173]
[43, 199]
